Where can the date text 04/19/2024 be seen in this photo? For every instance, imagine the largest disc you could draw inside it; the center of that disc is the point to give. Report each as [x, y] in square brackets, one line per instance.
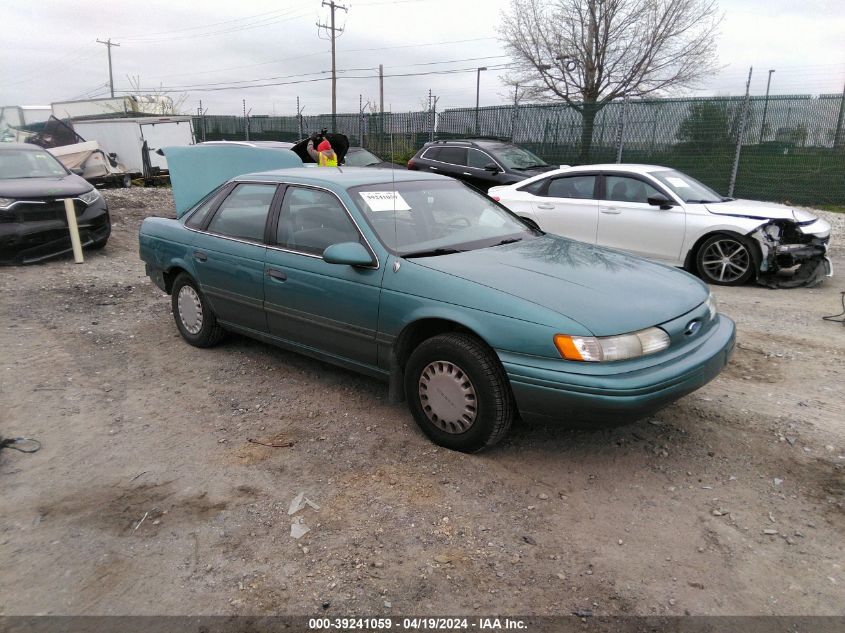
[417, 624]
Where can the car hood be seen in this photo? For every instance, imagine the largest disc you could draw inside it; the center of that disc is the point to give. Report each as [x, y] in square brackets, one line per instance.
[761, 210]
[52, 187]
[604, 290]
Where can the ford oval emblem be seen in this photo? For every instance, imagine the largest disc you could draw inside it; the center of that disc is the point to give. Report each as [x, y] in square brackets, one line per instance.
[692, 327]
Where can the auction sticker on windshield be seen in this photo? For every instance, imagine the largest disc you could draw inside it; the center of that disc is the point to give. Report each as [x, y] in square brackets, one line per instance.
[677, 182]
[385, 201]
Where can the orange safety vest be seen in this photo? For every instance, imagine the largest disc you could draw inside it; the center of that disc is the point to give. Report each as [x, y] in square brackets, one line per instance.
[328, 159]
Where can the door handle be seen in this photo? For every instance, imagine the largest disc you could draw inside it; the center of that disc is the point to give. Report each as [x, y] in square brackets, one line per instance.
[466, 173]
[545, 206]
[432, 168]
[277, 274]
[200, 256]
[611, 211]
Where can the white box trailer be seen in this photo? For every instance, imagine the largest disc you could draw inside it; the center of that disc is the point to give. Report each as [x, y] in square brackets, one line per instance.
[110, 106]
[126, 137]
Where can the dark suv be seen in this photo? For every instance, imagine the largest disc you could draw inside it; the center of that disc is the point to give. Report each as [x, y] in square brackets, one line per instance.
[482, 163]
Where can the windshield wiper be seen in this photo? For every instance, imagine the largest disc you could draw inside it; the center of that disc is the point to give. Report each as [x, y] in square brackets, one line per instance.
[432, 252]
[703, 201]
[534, 166]
[510, 240]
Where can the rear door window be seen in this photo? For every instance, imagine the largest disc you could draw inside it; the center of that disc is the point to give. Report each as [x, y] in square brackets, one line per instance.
[244, 212]
[453, 155]
[579, 187]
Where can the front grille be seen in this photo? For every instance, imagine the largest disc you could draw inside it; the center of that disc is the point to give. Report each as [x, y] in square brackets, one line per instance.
[29, 211]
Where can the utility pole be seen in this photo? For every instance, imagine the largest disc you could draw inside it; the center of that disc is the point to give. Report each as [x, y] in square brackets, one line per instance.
[299, 118]
[109, 44]
[515, 110]
[333, 35]
[432, 114]
[477, 94]
[381, 88]
[766, 106]
[202, 121]
[246, 121]
[741, 133]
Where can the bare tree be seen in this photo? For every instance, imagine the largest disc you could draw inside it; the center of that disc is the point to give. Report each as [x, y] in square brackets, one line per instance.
[590, 52]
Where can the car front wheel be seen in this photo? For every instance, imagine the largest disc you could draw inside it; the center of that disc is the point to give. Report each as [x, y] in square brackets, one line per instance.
[725, 260]
[458, 392]
[196, 321]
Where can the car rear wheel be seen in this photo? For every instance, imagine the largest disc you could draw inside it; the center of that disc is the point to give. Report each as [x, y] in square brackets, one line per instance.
[725, 260]
[458, 393]
[194, 318]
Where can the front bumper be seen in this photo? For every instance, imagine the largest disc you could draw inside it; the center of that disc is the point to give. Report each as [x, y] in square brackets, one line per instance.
[25, 241]
[543, 393]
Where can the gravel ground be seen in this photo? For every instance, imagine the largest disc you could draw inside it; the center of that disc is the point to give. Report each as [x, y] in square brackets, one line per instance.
[148, 496]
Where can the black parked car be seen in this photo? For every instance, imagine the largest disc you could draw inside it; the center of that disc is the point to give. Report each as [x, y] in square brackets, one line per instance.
[360, 157]
[482, 163]
[33, 223]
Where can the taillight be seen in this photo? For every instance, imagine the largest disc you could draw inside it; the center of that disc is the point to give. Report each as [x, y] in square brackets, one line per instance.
[496, 198]
[411, 164]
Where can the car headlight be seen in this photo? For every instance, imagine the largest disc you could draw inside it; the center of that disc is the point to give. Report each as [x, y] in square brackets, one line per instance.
[5, 203]
[711, 305]
[610, 348]
[90, 197]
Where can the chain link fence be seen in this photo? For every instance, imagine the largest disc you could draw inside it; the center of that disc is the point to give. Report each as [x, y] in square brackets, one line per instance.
[791, 148]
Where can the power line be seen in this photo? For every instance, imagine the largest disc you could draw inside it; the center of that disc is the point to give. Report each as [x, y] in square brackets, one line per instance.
[245, 82]
[302, 81]
[202, 26]
[235, 29]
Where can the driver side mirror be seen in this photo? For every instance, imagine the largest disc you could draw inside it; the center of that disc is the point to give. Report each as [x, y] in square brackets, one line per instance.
[493, 168]
[348, 253]
[659, 200]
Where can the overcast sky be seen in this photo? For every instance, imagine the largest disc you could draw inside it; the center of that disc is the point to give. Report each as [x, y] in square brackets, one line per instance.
[49, 53]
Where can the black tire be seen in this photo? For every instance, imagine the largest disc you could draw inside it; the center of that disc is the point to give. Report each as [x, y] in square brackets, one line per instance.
[471, 362]
[126, 182]
[739, 254]
[209, 333]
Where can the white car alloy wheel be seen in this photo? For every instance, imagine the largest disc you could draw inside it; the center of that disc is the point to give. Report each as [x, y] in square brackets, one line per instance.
[190, 309]
[725, 260]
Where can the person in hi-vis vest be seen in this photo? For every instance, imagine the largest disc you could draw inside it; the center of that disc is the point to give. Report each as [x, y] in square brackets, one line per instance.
[324, 155]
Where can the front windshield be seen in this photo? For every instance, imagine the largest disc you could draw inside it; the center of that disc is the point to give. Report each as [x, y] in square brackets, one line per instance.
[433, 217]
[360, 158]
[28, 163]
[517, 158]
[686, 188]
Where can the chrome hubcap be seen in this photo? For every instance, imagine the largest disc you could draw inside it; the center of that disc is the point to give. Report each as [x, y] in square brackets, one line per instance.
[726, 260]
[190, 309]
[448, 397]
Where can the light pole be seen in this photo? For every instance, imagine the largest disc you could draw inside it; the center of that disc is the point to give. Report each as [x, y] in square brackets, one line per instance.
[477, 94]
[765, 106]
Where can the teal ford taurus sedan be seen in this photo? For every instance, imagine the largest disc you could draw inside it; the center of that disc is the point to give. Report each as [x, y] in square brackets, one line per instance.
[469, 314]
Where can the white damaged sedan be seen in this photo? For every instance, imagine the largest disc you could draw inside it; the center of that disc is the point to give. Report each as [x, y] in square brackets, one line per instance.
[665, 215]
